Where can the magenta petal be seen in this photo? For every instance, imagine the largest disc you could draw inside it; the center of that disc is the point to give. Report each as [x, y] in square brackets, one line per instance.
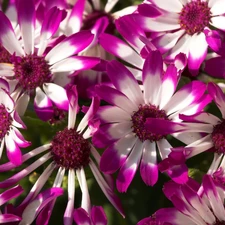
[124, 81]
[215, 67]
[178, 173]
[149, 10]
[51, 22]
[213, 39]
[129, 168]
[148, 167]
[163, 127]
[98, 215]
[7, 36]
[130, 31]
[13, 151]
[81, 217]
[218, 96]
[10, 194]
[70, 46]
[26, 19]
[6, 218]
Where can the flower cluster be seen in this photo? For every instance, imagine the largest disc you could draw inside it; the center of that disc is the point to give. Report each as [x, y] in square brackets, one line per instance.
[90, 93]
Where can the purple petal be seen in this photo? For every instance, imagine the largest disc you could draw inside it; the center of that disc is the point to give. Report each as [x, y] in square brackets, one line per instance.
[57, 94]
[215, 67]
[10, 194]
[169, 85]
[125, 82]
[197, 52]
[43, 105]
[117, 47]
[13, 151]
[26, 19]
[213, 39]
[187, 95]
[81, 217]
[130, 31]
[152, 77]
[7, 218]
[149, 10]
[218, 96]
[129, 168]
[7, 36]
[98, 215]
[149, 168]
[75, 63]
[75, 19]
[70, 46]
[115, 156]
[115, 97]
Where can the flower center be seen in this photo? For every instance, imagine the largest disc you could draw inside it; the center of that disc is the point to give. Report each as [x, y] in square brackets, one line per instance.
[58, 116]
[139, 118]
[31, 71]
[5, 121]
[5, 56]
[219, 222]
[70, 150]
[195, 16]
[218, 137]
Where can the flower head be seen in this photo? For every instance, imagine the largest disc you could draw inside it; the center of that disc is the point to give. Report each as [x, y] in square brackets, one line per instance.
[193, 204]
[68, 151]
[124, 128]
[185, 27]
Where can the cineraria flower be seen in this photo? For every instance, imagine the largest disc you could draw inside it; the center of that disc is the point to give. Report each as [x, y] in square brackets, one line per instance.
[5, 197]
[68, 151]
[97, 216]
[211, 127]
[10, 136]
[185, 26]
[194, 205]
[31, 67]
[122, 127]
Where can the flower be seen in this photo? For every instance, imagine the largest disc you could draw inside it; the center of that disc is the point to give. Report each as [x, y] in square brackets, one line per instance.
[69, 151]
[211, 127]
[10, 136]
[97, 216]
[34, 66]
[185, 27]
[123, 129]
[193, 204]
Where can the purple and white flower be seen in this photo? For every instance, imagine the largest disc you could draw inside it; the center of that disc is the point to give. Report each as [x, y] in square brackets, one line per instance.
[185, 26]
[194, 204]
[123, 124]
[10, 121]
[33, 66]
[69, 151]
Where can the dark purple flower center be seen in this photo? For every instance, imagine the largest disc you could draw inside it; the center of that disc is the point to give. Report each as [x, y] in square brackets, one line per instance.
[139, 119]
[218, 137]
[195, 16]
[58, 115]
[31, 71]
[5, 56]
[219, 222]
[5, 121]
[70, 150]
[91, 19]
